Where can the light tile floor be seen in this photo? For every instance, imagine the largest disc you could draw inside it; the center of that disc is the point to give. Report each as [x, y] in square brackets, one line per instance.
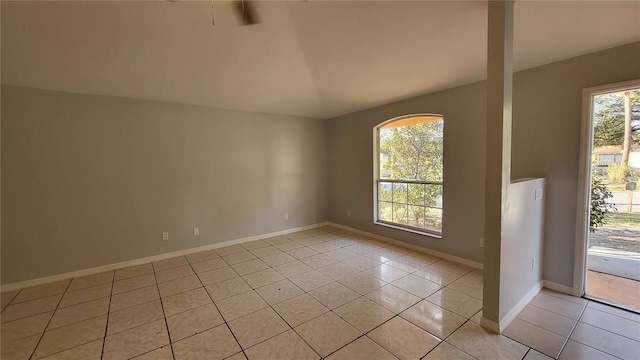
[321, 293]
[565, 327]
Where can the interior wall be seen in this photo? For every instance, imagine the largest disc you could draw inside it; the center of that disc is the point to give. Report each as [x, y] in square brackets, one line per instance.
[93, 180]
[522, 244]
[547, 113]
[545, 143]
[351, 168]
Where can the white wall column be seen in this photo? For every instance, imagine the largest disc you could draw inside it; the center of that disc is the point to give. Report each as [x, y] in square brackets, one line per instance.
[498, 151]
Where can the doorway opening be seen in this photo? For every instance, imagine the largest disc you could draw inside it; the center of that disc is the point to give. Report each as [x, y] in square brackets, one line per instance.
[612, 230]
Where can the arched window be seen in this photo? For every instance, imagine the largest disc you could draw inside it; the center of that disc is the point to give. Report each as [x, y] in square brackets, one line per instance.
[409, 173]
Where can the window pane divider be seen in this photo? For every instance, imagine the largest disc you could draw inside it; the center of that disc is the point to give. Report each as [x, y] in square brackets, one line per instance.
[396, 181]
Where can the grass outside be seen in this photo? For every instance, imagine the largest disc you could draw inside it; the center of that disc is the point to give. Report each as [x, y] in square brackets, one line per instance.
[617, 187]
[623, 220]
[420, 217]
[621, 231]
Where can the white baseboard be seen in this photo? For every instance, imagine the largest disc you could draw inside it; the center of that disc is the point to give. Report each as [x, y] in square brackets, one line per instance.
[508, 318]
[474, 264]
[489, 324]
[148, 259]
[498, 327]
[558, 287]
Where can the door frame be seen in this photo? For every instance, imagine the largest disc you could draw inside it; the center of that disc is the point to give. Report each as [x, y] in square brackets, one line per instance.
[584, 178]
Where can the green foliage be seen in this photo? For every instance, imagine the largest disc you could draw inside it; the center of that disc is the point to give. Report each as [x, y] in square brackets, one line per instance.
[414, 153]
[624, 220]
[599, 205]
[608, 119]
[618, 174]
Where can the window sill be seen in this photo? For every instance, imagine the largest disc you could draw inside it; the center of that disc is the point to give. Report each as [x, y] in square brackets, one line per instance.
[411, 230]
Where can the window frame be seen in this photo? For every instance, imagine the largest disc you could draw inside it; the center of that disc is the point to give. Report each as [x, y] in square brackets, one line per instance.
[377, 180]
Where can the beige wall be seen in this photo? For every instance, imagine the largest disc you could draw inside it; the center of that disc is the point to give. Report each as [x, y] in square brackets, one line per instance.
[522, 244]
[546, 138]
[547, 110]
[351, 168]
[91, 180]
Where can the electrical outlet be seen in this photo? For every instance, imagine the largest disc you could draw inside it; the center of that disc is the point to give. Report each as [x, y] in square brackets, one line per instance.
[286, 216]
[196, 231]
[482, 242]
[348, 213]
[165, 236]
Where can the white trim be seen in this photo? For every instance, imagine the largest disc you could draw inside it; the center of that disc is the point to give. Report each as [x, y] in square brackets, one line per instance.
[464, 261]
[148, 259]
[559, 288]
[490, 324]
[376, 168]
[584, 179]
[408, 229]
[511, 315]
[376, 174]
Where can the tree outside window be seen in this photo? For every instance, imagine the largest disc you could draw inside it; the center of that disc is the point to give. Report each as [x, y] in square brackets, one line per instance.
[411, 173]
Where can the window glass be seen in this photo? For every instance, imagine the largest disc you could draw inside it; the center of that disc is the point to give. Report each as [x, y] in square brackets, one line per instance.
[410, 173]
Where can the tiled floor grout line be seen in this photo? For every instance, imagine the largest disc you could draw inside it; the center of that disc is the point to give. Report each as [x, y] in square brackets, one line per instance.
[13, 298]
[283, 319]
[618, 306]
[361, 271]
[552, 294]
[461, 325]
[600, 350]
[398, 315]
[35, 314]
[440, 289]
[601, 328]
[80, 303]
[610, 331]
[58, 308]
[88, 287]
[48, 322]
[104, 339]
[330, 310]
[155, 285]
[26, 317]
[368, 332]
[576, 325]
[226, 323]
[568, 337]
[360, 295]
[525, 354]
[341, 261]
[554, 312]
[164, 315]
[525, 345]
[448, 336]
[575, 322]
[589, 301]
[304, 292]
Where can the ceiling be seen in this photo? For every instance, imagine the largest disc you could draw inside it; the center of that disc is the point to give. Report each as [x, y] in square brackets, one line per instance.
[310, 58]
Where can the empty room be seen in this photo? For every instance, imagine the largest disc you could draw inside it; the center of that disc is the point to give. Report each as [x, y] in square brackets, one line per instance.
[320, 180]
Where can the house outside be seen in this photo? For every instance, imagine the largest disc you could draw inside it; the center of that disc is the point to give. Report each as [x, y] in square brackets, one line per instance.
[605, 156]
